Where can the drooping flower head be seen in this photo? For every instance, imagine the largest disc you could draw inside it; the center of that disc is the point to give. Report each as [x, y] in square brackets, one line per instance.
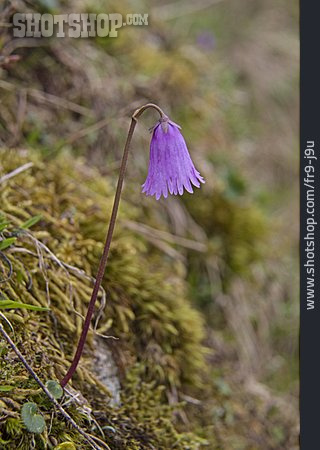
[170, 167]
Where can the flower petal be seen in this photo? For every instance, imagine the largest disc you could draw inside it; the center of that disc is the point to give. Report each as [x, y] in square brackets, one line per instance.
[170, 167]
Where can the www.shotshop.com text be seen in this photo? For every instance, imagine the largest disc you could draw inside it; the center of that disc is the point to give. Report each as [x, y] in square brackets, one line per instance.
[310, 225]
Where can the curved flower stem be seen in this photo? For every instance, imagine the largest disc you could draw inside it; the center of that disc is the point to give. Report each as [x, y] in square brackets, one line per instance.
[139, 111]
[104, 258]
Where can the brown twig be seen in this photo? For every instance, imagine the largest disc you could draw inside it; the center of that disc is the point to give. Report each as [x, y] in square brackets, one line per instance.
[164, 235]
[16, 171]
[45, 97]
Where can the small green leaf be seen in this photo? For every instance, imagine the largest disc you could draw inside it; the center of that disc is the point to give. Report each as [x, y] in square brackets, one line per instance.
[32, 221]
[6, 388]
[11, 304]
[54, 388]
[5, 243]
[34, 422]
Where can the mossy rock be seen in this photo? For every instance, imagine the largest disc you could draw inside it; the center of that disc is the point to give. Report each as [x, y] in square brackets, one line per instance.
[144, 305]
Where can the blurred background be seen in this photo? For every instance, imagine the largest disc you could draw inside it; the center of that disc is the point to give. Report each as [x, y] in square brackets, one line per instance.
[227, 72]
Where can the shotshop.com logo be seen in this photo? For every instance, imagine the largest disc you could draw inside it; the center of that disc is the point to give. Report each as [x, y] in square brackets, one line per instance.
[73, 25]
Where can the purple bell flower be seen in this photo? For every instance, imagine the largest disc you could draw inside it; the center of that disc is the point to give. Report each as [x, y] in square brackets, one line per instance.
[170, 167]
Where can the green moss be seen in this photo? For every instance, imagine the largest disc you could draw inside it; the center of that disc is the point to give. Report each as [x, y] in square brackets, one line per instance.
[238, 229]
[158, 331]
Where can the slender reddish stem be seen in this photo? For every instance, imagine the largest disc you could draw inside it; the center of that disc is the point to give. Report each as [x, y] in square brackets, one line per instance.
[104, 257]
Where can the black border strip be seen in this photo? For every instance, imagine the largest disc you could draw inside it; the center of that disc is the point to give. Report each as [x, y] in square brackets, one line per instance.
[309, 213]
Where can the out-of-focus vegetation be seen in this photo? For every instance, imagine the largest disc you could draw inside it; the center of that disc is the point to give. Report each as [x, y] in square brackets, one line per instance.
[200, 290]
